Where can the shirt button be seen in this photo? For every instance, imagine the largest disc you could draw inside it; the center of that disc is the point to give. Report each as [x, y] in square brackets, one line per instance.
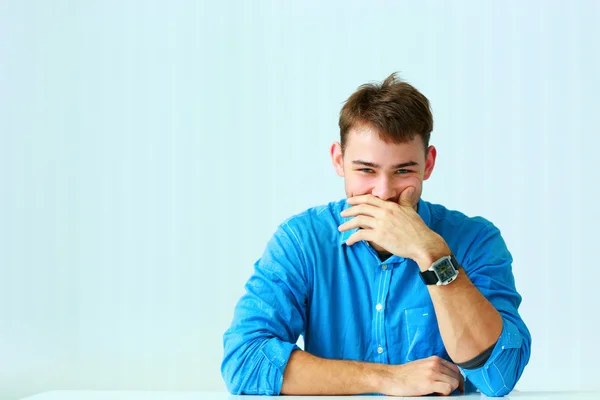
[380, 349]
[384, 267]
[379, 307]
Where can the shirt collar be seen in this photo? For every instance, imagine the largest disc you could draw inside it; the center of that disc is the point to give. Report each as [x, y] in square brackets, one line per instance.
[423, 211]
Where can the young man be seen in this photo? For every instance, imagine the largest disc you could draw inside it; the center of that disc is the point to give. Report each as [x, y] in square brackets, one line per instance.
[392, 294]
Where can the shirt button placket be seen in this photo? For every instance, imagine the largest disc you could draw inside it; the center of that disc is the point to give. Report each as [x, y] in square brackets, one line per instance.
[379, 307]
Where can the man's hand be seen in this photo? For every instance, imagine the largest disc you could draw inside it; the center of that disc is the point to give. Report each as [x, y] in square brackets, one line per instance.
[395, 227]
[422, 377]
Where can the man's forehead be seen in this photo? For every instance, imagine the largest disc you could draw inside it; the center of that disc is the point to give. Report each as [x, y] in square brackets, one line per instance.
[386, 154]
[363, 132]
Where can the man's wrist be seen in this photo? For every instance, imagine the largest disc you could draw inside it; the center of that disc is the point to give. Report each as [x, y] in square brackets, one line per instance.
[376, 377]
[433, 253]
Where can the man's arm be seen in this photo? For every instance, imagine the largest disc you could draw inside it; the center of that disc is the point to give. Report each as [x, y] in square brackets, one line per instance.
[309, 375]
[470, 324]
[306, 374]
[267, 320]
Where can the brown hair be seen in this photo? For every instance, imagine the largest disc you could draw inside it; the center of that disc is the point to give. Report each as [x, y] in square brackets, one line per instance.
[395, 108]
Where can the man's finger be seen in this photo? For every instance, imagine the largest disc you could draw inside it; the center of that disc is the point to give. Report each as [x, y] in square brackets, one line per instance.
[361, 234]
[362, 221]
[367, 199]
[450, 365]
[443, 388]
[451, 372]
[406, 197]
[364, 209]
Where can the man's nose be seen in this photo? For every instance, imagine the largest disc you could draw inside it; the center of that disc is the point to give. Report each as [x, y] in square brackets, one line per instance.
[384, 190]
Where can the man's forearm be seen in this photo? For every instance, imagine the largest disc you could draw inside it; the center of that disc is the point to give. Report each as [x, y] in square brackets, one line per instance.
[306, 374]
[469, 324]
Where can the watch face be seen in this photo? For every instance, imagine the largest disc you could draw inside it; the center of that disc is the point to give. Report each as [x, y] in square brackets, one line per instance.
[445, 270]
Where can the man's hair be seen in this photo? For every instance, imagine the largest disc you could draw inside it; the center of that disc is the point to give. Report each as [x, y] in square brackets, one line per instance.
[395, 108]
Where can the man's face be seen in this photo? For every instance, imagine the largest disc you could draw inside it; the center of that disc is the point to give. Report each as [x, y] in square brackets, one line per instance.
[371, 166]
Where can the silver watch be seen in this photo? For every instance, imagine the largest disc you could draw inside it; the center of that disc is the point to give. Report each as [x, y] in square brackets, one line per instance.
[441, 272]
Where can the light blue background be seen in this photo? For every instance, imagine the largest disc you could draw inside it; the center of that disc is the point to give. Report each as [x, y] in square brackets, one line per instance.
[148, 150]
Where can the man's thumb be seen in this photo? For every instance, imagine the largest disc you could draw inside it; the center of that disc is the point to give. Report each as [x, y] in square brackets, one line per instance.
[406, 196]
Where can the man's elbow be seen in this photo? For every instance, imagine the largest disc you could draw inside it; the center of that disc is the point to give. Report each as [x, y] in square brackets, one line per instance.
[496, 382]
[246, 372]
[495, 392]
[232, 375]
[241, 382]
[255, 366]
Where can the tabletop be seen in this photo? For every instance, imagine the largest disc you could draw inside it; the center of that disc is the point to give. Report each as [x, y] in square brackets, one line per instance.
[180, 395]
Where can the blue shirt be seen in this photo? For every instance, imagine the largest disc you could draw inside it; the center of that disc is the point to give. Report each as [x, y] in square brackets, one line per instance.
[348, 304]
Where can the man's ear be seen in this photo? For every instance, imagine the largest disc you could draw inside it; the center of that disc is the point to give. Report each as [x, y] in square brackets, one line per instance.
[429, 162]
[337, 159]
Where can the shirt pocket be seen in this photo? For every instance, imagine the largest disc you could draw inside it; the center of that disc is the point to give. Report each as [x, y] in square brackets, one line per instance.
[423, 334]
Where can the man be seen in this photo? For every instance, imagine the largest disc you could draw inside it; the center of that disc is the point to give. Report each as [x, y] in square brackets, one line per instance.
[392, 294]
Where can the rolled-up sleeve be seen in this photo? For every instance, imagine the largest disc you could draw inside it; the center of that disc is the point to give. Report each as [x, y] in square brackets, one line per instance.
[489, 266]
[268, 319]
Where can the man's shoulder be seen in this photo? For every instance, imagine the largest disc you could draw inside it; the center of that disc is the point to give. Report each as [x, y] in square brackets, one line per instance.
[474, 240]
[318, 222]
[328, 214]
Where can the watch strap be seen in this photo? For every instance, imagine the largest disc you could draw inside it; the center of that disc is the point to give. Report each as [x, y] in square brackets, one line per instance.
[429, 277]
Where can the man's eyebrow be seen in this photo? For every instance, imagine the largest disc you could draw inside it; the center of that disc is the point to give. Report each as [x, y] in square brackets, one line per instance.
[373, 165]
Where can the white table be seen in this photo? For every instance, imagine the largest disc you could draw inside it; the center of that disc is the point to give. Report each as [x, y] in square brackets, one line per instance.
[144, 395]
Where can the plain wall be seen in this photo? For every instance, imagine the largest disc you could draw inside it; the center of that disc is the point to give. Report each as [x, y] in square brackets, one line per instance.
[148, 150]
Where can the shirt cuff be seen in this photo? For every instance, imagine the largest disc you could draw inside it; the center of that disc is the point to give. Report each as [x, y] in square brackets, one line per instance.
[278, 353]
[500, 373]
[510, 338]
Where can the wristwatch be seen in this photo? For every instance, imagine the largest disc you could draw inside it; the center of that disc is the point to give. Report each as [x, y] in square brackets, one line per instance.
[441, 272]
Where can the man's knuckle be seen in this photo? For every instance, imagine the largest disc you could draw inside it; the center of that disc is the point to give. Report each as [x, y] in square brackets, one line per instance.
[448, 389]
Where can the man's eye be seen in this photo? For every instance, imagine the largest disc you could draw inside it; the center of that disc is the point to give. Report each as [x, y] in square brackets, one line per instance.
[366, 170]
[403, 171]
